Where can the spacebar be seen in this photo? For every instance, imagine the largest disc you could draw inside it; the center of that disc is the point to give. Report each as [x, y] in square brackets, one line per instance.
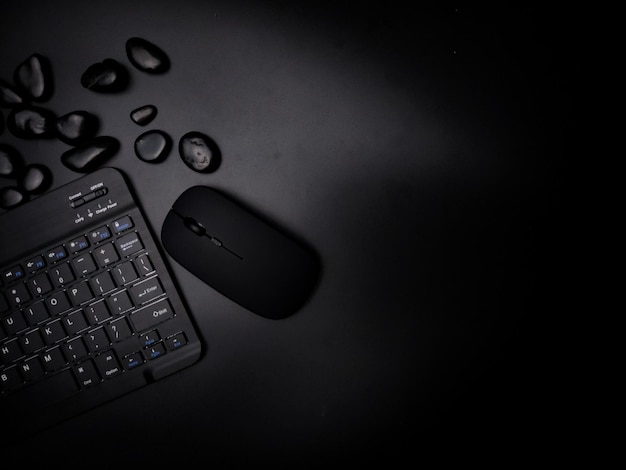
[49, 391]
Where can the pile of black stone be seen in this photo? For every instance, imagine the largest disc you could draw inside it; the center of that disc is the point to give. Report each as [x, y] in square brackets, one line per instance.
[28, 119]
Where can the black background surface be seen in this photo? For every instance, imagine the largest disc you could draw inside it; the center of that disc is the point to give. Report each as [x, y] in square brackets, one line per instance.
[420, 151]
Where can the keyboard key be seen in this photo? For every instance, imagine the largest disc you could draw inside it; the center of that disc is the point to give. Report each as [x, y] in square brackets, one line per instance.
[80, 293]
[106, 254]
[84, 265]
[4, 305]
[144, 265]
[102, 283]
[97, 312]
[31, 342]
[53, 332]
[39, 285]
[119, 330]
[124, 273]
[34, 264]
[176, 341]
[149, 338]
[78, 244]
[129, 244]
[122, 224]
[155, 351]
[119, 303]
[75, 349]
[149, 316]
[53, 359]
[13, 274]
[14, 322]
[75, 322]
[10, 379]
[86, 373]
[147, 290]
[31, 369]
[36, 312]
[10, 352]
[97, 340]
[58, 303]
[18, 294]
[99, 234]
[56, 254]
[108, 365]
[133, 360]
[61, 274]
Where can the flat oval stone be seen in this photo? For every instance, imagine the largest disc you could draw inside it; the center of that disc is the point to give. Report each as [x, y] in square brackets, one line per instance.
[108, 76]
[34, 77]
[146, 56]
[11, 162]
[35, 179]
[153, 146]
[11, 196]
[199, 152]
[76, 127]
[144, 114]
[90, 155]
[9, 96]
[31, 122]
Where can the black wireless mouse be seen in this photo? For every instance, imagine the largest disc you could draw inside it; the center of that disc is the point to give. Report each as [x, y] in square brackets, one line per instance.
[238, 253]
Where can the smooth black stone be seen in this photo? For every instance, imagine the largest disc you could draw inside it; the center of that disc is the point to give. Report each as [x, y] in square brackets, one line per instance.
[36, 178]
[89, 156]
[11, 162]
[34, 78]
[31, 122]
[153, 146]
[76, 127]
[11, 197]
[199, 152]
[144, 114]
[108, 76]
[146, 56]
[9, 96]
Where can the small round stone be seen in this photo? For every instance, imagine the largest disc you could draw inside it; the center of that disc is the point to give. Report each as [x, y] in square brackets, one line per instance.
[199, 152]
[11, 162]
[153, 146]
[11, 196]
[35, 179]
[9, 96]
[34, 77]
[31, 122]
[108, 76]
[146, 56]
[90, 155]
[76, 127]
[144, 114]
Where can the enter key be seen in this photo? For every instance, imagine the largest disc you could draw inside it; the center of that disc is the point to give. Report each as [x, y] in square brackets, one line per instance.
[147, 290]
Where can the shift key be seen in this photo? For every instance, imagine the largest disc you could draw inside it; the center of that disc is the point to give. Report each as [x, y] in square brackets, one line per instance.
[151, 315]
[146, 290]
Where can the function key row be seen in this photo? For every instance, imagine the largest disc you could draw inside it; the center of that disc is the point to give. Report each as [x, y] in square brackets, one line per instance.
[60, 253]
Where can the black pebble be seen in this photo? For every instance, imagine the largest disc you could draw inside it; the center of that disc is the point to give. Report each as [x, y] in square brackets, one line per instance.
[11, 197]
[90, 155]
[11, 162]
[146, 56]
[199, 152]
[31, 122]
[153, 146]
[144, 114]
[9, 96]
[34, 77]
[35, 179]
[76, 127]
[108, 76]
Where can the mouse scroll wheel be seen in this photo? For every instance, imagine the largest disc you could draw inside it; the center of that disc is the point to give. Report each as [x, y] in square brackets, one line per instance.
[195, 226]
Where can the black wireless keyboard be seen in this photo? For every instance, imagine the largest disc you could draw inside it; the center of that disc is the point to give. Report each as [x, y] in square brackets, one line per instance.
[88, 309]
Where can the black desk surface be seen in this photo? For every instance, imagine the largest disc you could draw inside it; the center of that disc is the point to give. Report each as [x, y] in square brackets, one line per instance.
[416, 151]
